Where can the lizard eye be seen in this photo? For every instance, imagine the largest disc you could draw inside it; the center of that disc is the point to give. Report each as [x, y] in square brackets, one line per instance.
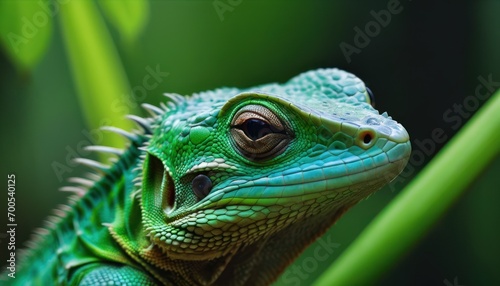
[258, 133]
[255, 128]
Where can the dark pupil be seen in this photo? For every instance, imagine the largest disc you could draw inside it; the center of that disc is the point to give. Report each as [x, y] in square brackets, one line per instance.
[202, 185]
[256, 128]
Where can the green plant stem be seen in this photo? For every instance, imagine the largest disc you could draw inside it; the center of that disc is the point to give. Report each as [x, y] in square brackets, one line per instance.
[422, 202]
[99, 75]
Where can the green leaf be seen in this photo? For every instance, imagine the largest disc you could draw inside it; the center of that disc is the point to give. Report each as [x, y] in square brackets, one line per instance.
[421, 203]
[25, 31]
[99, 75]
[128, 16]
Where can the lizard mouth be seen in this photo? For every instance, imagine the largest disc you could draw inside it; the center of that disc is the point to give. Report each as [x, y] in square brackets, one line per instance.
[336, 179]
[332, 179]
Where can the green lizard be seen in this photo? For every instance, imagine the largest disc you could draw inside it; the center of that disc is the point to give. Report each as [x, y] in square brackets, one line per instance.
[224, 187]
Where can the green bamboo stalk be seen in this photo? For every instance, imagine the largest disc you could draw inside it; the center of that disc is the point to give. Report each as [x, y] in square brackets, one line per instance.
[97, 69]
[422, 203]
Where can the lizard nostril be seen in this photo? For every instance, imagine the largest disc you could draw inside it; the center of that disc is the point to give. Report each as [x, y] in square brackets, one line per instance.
[366, 139]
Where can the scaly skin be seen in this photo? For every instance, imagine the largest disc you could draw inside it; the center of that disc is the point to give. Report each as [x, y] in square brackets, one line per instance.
[225, 187]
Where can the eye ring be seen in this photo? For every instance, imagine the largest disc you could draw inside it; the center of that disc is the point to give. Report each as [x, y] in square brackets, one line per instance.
[258, 133]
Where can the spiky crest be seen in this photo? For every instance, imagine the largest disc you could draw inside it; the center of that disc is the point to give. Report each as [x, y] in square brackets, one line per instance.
[144, 123]
[90, 178]
[92, 164]
[130, 136]
[77, 190]
[104, 149]
[153, 110]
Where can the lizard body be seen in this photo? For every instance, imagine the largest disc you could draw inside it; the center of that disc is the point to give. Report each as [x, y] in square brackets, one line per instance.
[224, 187]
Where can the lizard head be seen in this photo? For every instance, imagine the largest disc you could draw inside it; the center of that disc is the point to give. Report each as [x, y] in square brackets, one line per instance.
[229, 173]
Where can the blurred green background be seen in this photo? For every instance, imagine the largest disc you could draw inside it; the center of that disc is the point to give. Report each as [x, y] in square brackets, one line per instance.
[423, 63]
